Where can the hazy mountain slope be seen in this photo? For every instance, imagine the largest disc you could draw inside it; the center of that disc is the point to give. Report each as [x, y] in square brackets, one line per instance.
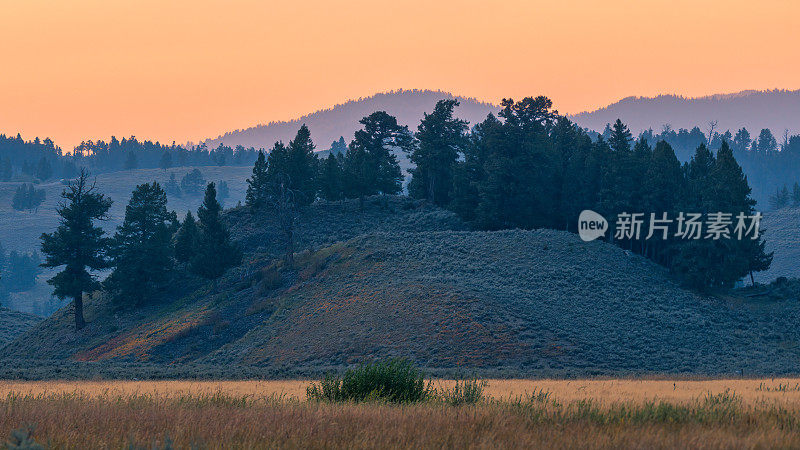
[777, 110]
[783, 237]
[14, 323]
[536, 302]
[342, 120]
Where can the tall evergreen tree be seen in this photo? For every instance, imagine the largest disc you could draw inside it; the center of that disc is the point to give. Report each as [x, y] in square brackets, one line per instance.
[330, 177]
[43, 169]
[77, 244]
[301, 166]
[166, 160]
[258, 184]
[185, 242]
[371, 167]
[141, 249]
[215, 253]
[621, 138]
[441, 137]
[131, 161]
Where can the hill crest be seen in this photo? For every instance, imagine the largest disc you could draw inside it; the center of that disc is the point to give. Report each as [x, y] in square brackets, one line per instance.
[329, 124]
[753, 109]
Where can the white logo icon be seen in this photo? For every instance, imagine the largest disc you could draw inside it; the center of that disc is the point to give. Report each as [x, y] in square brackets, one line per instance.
[591, 225]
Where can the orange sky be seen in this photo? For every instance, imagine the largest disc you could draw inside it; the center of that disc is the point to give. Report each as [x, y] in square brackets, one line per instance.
[185, 70]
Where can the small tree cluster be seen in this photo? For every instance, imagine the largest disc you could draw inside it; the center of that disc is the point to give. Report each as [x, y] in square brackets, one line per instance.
[18, 271]
[27, 198]
[193, 182]
[783, 198]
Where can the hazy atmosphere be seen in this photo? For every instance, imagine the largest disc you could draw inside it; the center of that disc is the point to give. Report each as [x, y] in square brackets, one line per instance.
[363, 224]
[189, 70]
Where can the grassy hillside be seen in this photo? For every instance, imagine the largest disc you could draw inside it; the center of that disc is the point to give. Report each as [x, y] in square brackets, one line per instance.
[14, 323]
[21, 230]
[533, 302]
[783, 237]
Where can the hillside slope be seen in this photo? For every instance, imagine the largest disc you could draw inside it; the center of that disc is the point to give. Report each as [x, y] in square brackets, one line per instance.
[14, 323]
[342, 120]
[777, 110]
[783, 238]
[535, 302]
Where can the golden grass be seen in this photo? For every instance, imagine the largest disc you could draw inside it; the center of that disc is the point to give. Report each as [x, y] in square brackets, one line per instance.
[265, 414]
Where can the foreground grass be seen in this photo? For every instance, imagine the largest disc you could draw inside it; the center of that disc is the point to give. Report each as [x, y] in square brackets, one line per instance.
[768, 415]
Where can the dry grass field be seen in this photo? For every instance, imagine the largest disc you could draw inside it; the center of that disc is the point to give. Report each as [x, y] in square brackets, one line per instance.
[514, 413]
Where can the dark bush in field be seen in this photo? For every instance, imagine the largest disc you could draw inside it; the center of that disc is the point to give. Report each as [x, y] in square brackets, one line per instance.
[394, 381]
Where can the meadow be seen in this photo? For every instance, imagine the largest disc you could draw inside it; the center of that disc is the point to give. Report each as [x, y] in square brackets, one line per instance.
[594, 413]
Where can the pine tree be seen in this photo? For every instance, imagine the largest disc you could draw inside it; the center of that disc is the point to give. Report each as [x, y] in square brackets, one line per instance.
[166, 161]
[338, 147]
[258, 184]
[77, 244]
[796, 195]
[43, 169]
[330, 178]
[185, 242]
[781, 198]
[663, 185]
[131, 162]
[141, 249]
[621, 138]
[441, 138]
[215, 253]
[301, 166]
[370, 166]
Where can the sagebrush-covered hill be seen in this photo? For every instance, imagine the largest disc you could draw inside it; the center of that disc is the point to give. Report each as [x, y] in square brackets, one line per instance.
[409, 283]
[783, 238]
[14, 323]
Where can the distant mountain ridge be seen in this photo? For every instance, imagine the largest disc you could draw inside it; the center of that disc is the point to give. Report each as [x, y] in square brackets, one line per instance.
[777, 110]
[329, 124]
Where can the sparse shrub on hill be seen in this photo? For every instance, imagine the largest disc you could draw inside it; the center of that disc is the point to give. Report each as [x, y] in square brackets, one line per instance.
[393, 381]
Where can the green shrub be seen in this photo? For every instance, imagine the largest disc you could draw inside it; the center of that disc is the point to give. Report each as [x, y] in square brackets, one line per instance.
[464, 392]
[394, 381]
[22, 439]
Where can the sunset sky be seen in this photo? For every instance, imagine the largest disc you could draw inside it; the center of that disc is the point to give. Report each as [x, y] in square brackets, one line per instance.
[187, 70]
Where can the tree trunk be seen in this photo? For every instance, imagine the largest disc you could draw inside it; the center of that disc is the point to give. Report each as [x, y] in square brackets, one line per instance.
[752, 280]
[79, 322]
